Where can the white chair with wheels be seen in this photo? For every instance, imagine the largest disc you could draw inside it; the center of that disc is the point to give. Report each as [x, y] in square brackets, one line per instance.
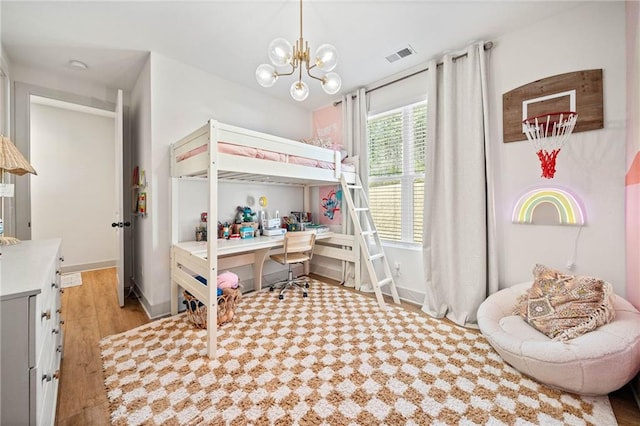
[298, 248]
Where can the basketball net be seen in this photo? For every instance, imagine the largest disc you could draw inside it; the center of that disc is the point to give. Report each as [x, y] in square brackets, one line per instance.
[548, 134]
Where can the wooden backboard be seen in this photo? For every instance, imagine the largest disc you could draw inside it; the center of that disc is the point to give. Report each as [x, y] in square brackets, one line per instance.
[579, 91]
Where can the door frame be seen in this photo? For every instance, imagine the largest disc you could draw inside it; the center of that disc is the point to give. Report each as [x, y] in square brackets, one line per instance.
[20, 213]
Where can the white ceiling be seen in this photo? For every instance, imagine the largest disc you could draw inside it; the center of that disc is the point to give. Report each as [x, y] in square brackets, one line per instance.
[230, 38]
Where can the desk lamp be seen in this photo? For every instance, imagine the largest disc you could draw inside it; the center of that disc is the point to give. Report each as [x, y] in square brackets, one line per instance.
[12, 161]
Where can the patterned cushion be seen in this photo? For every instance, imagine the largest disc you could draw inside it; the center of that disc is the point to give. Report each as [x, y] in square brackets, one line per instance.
[566, 306]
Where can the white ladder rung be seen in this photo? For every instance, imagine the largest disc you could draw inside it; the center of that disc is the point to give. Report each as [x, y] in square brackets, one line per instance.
[376, 256]
[361, 209]
[354, 187]
[385, 282]
[372, 232]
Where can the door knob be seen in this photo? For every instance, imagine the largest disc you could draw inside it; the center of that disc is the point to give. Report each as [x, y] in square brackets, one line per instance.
[120, 224]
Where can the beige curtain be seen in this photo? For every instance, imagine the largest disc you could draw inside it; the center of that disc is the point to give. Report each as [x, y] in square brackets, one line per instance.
[460, 261]
[354, 140]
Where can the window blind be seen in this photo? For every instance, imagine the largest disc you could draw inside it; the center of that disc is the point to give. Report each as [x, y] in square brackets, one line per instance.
[396, 171]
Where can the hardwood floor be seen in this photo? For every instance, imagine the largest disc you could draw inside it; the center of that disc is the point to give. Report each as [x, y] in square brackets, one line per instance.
[91, 312]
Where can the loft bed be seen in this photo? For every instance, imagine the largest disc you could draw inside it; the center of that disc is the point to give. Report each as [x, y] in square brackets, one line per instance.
[220, 152]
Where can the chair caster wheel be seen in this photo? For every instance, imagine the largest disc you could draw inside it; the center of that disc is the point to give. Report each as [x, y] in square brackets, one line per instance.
[270, 288]
[281, 296]
[306, 285]
[304, 294]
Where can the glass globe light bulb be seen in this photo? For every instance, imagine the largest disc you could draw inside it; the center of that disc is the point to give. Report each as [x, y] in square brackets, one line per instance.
[280, 52]
[299, 90]
[331, 83]
[326, 57]
[266, 75]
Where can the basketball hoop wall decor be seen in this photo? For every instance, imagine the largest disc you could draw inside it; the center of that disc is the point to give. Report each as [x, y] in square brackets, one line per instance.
[530, 112]
[548, 133]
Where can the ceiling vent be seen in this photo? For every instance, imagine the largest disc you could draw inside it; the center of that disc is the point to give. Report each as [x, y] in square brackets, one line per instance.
[401, 53]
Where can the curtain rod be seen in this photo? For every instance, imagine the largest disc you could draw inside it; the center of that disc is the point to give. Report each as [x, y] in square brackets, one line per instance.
[487, 46]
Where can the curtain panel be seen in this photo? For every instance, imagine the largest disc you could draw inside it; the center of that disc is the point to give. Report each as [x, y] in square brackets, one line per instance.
[460, 261]
[354, 140]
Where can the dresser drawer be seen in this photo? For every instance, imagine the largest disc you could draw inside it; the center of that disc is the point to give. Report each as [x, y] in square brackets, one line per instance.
[46, 394]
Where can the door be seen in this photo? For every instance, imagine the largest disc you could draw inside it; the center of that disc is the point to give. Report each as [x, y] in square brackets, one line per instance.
[120, 218]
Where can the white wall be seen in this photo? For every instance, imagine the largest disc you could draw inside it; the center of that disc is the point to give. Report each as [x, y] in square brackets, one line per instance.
[140, 114]
[183, 98]
[87, 89]
[73, 195]
[592, 164]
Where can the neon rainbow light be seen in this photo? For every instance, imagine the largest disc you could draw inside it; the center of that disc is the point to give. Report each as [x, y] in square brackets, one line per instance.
[569, 209]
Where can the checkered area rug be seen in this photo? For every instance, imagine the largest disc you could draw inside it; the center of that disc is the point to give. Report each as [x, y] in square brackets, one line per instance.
[333, 358]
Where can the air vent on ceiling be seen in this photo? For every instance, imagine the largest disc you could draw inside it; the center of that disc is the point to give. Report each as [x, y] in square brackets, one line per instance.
[401, 53]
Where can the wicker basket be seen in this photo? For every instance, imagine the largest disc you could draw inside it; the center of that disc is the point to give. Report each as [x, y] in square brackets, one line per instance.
[197, 311]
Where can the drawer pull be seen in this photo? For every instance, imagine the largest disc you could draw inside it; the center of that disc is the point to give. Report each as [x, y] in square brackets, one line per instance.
[61, 258]
[59, 310]
[54, 285]
[58, 272]
[55, 331]
[61, 321]
[59, 348]
[56, 375]
[46, 377]
[46, 315]
[61, 290]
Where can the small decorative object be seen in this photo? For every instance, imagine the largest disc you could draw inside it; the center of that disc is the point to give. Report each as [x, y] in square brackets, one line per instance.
[223, 230]
[245, 214]
[142, 203]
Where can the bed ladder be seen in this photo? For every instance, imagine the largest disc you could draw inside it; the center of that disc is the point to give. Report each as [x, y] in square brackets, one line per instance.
[369, 240]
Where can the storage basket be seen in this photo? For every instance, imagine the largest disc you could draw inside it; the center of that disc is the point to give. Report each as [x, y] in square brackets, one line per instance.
[197, 311]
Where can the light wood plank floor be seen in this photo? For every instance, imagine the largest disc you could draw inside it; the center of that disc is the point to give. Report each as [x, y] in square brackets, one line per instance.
[91, 312]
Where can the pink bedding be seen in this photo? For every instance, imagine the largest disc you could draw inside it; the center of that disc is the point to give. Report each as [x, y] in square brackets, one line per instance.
[263, 154]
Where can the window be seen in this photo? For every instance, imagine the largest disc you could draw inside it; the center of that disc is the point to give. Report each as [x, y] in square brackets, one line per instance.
[396, 172]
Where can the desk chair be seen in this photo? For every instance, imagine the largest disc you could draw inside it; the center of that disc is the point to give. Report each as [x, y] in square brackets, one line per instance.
[298, 248]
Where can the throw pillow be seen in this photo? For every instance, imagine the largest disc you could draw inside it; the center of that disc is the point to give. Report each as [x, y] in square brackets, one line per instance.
[566, 306]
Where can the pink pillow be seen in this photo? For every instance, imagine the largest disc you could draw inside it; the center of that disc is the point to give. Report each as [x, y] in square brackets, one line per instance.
[227, 280]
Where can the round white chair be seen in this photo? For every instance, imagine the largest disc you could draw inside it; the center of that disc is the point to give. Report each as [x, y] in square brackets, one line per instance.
[595, 363]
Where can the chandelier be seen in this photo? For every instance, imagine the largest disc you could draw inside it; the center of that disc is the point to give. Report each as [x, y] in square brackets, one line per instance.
[282, 55]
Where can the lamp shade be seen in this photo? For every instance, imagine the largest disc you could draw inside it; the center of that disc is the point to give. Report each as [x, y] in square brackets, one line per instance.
[11, 160]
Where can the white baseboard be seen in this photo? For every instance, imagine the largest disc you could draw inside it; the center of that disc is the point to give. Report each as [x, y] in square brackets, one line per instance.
[82, 267]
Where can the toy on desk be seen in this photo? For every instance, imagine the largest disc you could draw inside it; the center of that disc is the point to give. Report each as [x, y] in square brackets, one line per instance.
[291, 223]
[244, 214]
[224, 230]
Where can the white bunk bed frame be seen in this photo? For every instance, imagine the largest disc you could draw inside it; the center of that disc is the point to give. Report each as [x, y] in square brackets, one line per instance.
[214, 166]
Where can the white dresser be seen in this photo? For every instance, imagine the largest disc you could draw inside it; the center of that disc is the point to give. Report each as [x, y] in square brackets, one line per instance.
[31, 340]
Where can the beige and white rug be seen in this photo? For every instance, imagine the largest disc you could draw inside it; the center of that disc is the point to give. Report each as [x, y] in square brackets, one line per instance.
[333, 358]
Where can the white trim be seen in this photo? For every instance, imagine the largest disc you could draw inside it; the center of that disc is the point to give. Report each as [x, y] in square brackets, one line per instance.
[71, 106]
[525, 104]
